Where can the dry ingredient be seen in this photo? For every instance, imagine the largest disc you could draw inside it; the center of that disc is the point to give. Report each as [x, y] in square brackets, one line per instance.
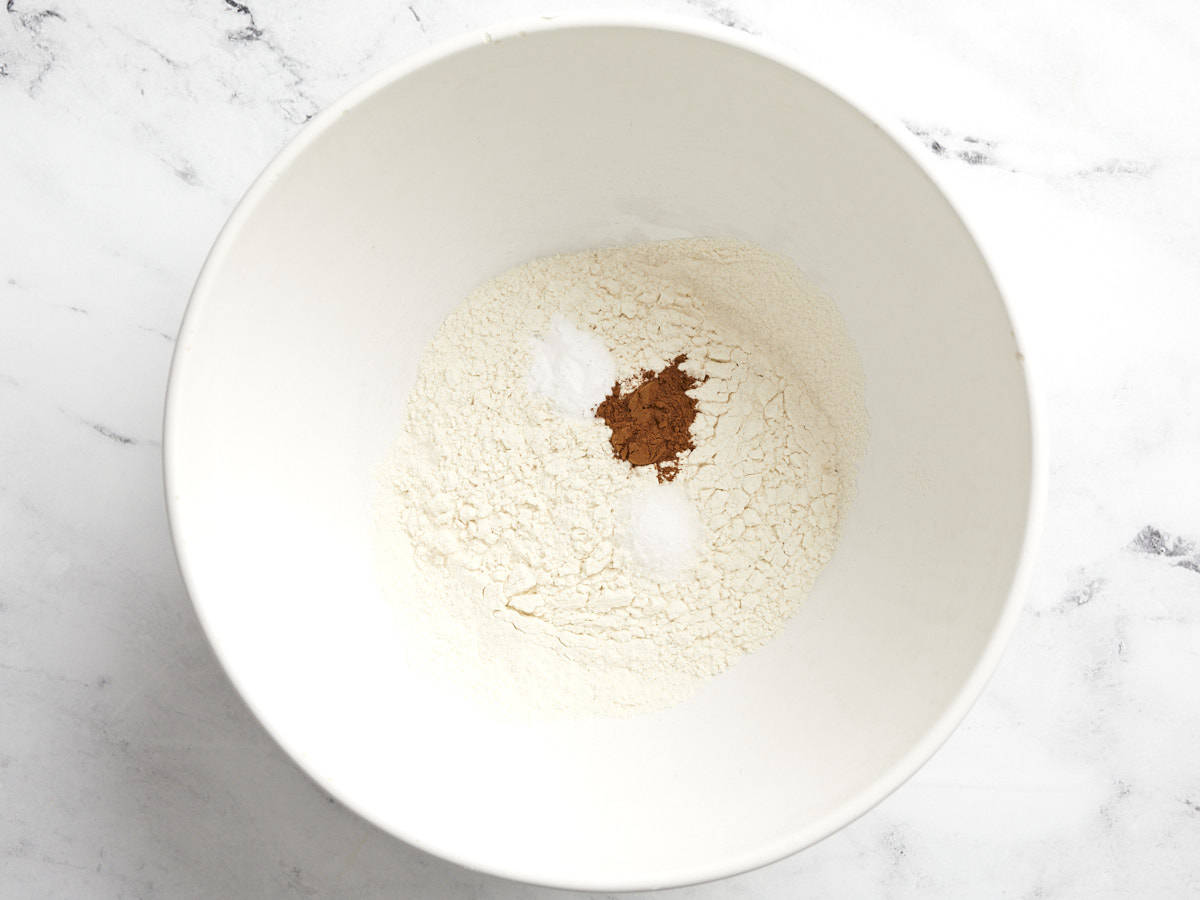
[652, 423]
[664, 530]
[527, 563]
[570, 368]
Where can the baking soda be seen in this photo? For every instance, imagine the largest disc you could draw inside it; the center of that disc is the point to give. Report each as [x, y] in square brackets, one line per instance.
[571, 368]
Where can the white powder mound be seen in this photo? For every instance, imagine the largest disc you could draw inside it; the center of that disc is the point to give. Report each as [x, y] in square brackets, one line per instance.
[664, 530]
[571, 368]
[506, 527]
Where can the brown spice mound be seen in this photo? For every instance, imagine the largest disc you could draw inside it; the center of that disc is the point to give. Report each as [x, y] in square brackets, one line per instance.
[652, 424]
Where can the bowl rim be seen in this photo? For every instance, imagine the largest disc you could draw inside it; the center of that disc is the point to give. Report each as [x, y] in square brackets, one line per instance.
[705, 870]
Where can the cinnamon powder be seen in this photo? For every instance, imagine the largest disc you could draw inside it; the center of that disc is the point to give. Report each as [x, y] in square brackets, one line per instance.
[652, 424]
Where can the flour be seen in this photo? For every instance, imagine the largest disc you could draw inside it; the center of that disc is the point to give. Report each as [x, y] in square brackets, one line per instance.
[507, 525]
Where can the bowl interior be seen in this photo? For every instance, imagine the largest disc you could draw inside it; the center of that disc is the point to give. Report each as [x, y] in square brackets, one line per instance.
[302, 342]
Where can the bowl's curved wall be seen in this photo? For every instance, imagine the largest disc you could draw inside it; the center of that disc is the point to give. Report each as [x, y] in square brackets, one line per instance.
[302, 341]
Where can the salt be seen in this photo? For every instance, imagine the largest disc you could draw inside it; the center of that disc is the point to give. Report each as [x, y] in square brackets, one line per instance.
[664, 530]
[572, 369]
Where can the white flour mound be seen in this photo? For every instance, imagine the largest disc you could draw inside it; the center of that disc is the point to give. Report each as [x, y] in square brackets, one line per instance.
[505, 525]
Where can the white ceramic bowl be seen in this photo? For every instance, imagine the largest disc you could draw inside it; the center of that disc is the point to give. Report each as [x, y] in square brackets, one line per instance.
[301, 343]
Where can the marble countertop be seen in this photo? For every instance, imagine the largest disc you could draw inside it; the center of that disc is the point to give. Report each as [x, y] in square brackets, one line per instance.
[1067, 133]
